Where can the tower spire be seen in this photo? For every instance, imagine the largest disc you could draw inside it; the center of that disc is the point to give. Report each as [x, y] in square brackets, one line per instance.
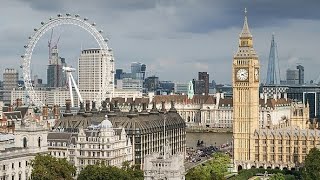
[273, 73]
[245, 30]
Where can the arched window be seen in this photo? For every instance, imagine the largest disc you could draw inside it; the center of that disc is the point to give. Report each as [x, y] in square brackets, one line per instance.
[25, 142]
[39, 142]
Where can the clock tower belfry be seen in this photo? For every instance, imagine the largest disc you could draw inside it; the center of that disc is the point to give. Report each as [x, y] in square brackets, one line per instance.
[245, 79]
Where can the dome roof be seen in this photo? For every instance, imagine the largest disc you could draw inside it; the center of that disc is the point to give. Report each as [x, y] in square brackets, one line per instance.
[106, 123]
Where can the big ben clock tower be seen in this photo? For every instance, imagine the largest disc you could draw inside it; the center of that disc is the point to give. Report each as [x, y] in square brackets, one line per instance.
[245, 78]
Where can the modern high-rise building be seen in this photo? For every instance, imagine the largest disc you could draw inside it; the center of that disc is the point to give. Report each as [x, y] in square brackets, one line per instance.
[55, 75]
[245, 78]
[204, 76]
[300, 74]
[292, 76]
[138, 70]
[10, 81]
[118, 74]
[273, 73]
[199, 86]
[151, 83]
[91, 82]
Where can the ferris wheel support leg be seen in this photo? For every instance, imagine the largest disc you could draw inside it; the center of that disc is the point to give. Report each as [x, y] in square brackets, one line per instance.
[70, 89]
[76, 87]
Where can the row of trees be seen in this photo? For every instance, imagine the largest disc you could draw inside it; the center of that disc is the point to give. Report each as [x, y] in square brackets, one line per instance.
[47, 167]
[214, 169]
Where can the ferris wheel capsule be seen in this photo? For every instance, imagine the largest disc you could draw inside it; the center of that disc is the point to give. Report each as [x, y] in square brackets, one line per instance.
[22, 56]
[68, 14]
[59, 15]
[100, 31]
[86, 19]
[50, 18]
[93, 24]
[35, 29]
[29, 37]
[25, 46]
[77, 15]
[42, 23]
[106, 40]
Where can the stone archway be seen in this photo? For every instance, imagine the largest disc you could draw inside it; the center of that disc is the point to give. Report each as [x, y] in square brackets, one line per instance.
[239, 168]
[269, 167]
[261, 167]
[276, 168]
[293, 169]
[285, 169]
[253, 167]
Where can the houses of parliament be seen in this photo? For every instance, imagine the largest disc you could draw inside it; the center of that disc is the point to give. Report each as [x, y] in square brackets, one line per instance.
[280, 145]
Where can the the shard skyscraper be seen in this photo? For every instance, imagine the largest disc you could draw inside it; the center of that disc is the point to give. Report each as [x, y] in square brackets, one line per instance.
[273, 74]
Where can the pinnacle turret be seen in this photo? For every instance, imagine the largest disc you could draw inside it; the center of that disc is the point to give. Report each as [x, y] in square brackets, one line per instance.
[245, 30]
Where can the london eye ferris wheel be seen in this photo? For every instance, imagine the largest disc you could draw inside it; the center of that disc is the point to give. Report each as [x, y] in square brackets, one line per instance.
[106, 87]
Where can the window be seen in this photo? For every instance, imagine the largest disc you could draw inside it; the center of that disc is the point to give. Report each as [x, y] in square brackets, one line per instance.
[25, 142]
[19, 164]
[39, 142]
[12, 165]
[4, 167]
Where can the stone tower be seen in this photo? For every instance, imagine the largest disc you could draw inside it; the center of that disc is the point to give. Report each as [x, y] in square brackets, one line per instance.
[245, 78]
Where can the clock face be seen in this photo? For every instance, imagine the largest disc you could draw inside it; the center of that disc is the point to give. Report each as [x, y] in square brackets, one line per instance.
[242, 74]
[256, 74]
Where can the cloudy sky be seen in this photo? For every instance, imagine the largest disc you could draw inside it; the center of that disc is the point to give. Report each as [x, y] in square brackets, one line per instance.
[174, 38]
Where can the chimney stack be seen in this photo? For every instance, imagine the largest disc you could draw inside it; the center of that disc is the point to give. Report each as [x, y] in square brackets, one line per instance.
[104, 107]
[67, 112]
[144, 109]
[94, 109]
[116, 106]
[87, 106]
[45, 112]
[163, 107]
[154, 109]
[81, 110]
[56, 111]
[68, 106]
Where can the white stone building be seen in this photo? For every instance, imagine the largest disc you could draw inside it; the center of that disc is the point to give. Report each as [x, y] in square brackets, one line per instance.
[164, 165]
[90, 71]
[98, 143]
[50, 97]
[212, 111]
[18, 149]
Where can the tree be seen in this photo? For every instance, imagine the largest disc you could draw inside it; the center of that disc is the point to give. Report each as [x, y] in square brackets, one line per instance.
[214, 169]
[47, 167]
[311, 168]
[103, 172]
[278, 176]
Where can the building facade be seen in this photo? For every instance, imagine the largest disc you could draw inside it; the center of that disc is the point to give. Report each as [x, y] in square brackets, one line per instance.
[96, 144]
[18, 149]
[164, 165]
[204, 76]
[91, 67]
[144, 128]
[10, 82]
[292, 76]
[55, 75]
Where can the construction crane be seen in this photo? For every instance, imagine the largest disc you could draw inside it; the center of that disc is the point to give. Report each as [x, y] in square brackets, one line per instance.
[52, 45]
